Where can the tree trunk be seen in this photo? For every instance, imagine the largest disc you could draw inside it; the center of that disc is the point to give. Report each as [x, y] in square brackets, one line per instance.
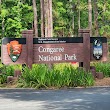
[96, 31]
[42, 18]
[73, 22]
[46, 17]
[90, 16]
[0, 5]
[79, 23]
[103, 17]
[3, 21]
[3, 27]
[35, 18]
[50, 20]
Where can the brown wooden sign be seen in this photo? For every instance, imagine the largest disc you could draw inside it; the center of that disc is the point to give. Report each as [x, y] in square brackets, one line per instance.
[51, 50]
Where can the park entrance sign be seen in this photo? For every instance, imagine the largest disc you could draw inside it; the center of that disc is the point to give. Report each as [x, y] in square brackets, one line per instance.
[29, 50]
[56, 50]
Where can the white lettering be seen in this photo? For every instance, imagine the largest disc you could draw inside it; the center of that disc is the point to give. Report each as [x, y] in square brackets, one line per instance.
[50, 50]
[68, 57]
[50, 58]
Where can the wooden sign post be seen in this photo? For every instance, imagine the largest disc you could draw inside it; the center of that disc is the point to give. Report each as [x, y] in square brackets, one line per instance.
[86, 48]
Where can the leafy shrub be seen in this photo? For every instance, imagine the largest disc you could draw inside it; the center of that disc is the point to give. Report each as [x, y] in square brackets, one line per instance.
[0, 50]
[3, 78]
[40, 76]
[103, 67]
[7, 71]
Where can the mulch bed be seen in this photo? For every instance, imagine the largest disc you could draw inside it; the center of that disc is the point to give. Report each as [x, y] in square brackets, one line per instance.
[102, 82]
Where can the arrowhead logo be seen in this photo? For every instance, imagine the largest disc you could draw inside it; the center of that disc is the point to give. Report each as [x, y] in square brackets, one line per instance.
[14, 50]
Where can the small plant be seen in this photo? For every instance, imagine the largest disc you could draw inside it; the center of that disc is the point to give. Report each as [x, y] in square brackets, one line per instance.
[3, 78]
[7, 71]
[103, 67]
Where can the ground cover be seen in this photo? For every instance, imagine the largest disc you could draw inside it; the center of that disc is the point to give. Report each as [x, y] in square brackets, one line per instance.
[61, 76]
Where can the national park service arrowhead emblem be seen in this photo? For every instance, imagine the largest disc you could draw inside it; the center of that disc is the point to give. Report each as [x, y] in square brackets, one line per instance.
[14, 50]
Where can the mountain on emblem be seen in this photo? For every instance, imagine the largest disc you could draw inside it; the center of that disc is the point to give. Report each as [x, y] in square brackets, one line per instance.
[14, 50]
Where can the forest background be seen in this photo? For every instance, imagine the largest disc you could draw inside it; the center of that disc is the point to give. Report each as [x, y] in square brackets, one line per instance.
[68, 17]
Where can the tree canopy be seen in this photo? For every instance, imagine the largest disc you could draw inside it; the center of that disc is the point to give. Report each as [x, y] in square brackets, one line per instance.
[68, 17]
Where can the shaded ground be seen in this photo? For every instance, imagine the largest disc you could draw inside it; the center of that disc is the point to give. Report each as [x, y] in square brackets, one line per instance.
[70, 99]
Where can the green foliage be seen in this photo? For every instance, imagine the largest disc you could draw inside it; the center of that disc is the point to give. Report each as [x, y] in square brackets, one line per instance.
[4, 12]
[17, 15]
[3, 79]
[42, 77]
[103, 67]
[104, 17]
[7, 71]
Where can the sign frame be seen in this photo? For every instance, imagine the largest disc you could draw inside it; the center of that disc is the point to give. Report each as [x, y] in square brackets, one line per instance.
[80, 49]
